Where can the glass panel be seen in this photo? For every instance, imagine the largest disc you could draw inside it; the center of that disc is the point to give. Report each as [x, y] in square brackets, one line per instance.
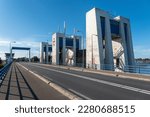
[114, 27]
[50, 49]
[69, 42]
[77, 44]
[44, 49]
[60, 41]
[103, 26]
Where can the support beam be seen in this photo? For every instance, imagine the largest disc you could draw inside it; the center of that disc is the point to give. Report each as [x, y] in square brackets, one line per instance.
[46, 54]
[41, 52]
[29, 55]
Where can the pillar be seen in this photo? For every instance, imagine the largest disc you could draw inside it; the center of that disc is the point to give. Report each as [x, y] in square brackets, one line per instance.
[29, 55]
[74, 49]
[108, 46]
[11, 58]
[41, 52]
[130, 46]
[64, 50]
[123, 40]
[46, 53]
[93, 27]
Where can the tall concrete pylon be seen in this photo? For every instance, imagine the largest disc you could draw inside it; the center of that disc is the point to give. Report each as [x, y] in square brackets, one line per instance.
[104, 37]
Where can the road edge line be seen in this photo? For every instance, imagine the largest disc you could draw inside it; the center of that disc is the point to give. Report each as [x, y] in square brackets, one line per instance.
[117, 74]
[60, 89]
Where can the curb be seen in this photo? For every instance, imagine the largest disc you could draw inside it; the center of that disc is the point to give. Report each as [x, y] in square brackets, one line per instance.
[63, 91]
[107, 73]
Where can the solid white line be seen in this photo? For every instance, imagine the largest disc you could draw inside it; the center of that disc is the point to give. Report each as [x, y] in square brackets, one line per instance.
[81, 95]
[63, 91]
[101, 81]
[47, 78]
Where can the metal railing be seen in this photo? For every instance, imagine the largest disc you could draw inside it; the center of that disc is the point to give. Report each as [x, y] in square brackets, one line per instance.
[138, 68]
[4, 70]
[119, 52]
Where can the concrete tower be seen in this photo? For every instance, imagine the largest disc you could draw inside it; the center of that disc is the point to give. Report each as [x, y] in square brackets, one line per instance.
[108, 41]
[45, 52]
[61, 45]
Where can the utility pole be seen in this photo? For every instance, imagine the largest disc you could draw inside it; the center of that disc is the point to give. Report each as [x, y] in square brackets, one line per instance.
[82, 47]
[11, 50]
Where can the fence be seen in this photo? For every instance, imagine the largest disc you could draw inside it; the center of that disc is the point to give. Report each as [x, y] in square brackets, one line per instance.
[138, 68]
[4, 70]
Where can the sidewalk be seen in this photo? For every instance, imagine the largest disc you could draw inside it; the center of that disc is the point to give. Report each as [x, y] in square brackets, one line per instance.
[19, 84]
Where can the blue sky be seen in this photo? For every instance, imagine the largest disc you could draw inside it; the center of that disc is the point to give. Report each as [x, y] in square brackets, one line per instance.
[33, 21]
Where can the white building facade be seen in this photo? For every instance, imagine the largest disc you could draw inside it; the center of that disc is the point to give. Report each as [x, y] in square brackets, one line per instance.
[64, 49]
[45, 52]
[108, 41]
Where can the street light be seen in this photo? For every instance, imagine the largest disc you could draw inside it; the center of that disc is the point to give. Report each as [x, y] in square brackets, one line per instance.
[82, 46]
[92, 46]
[11, 50]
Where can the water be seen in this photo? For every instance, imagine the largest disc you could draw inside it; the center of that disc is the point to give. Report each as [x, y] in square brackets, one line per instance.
[143, 68]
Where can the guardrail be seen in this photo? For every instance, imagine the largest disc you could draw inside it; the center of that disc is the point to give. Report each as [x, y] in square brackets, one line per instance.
[4, 70]
[138, 68]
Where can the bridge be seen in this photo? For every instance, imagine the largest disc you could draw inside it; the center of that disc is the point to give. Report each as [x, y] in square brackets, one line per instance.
[33, 81]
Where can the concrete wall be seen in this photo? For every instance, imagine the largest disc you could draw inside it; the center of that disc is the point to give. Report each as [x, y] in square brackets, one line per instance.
[44, 55]
[94, 39]
[101, 51]
[55, 47]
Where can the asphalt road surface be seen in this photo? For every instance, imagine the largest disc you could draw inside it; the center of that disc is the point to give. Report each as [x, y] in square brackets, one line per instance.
[19, 84]
[93, 86]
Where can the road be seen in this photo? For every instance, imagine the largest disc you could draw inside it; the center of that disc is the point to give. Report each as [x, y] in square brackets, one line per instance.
[93, 86]
[19, 84]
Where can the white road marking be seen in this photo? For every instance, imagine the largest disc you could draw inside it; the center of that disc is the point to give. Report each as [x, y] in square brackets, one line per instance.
[47, 78]
[101, 81]
[63, 91]
[81, 95]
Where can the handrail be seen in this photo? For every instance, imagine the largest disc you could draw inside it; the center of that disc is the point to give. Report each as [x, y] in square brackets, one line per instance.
[139, 69]
[121, 65]
[119, 52]
[4, 70]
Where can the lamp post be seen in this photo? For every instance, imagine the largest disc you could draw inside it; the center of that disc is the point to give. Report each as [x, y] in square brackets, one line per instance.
[92, 46]
[11, 50]
[82, 46]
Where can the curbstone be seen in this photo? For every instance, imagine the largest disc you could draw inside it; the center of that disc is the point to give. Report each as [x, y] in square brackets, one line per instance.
[60, 89]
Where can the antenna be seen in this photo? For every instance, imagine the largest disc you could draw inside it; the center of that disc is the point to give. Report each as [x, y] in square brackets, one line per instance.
[112, 13]
[59, 29]
[64, 27]
[74, 31]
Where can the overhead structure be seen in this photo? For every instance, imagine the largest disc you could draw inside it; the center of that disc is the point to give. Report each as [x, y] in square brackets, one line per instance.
[45, 52]
[22, 48]
[65, 48]
[108, 41]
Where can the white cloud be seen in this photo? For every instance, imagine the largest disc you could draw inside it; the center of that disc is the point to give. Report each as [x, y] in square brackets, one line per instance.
[5, 47]
[32, 42]
[142, 51]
